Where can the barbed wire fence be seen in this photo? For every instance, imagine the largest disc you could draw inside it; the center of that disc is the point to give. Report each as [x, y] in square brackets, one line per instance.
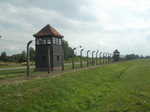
[88, 58]
[84, 58]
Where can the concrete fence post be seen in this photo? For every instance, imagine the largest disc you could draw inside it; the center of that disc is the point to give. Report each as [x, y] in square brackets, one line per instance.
[97, 57]
[81, 63]
[28, 58]
[88, 58]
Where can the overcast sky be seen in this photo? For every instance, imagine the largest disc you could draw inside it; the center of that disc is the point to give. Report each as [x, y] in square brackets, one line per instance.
[95, 24]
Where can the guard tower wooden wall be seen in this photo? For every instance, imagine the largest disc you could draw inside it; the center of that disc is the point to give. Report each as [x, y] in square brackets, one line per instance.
[49, 49]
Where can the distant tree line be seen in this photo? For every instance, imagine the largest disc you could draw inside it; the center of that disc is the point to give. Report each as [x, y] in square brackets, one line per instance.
[68, 51]
[134, 56]
[21, 57]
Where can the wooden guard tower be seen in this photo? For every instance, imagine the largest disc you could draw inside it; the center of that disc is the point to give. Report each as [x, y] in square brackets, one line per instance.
[49, 49]
[116, 55]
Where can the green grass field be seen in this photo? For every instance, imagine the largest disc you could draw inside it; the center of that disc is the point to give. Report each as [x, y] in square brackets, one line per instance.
[119, 87]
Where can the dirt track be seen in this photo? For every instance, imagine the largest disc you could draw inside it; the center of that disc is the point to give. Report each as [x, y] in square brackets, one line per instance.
[21, 79]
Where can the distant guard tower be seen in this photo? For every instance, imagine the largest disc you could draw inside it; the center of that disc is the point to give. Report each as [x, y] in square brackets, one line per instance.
[116, 55]
[49, 49]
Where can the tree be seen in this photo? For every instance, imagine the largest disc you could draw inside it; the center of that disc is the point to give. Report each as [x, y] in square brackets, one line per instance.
[32, 54]
[22, 57]
[3, 56]
[68, 51]
[132, 56]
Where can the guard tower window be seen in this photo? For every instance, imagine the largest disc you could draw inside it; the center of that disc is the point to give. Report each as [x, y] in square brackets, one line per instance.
[37, 42]
[41, 41]
[44, 41]
[48, 41]
[59, 41]
[54, 42]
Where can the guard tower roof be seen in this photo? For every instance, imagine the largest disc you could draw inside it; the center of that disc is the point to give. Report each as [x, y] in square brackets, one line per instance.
[116, 51]
[48, 31]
